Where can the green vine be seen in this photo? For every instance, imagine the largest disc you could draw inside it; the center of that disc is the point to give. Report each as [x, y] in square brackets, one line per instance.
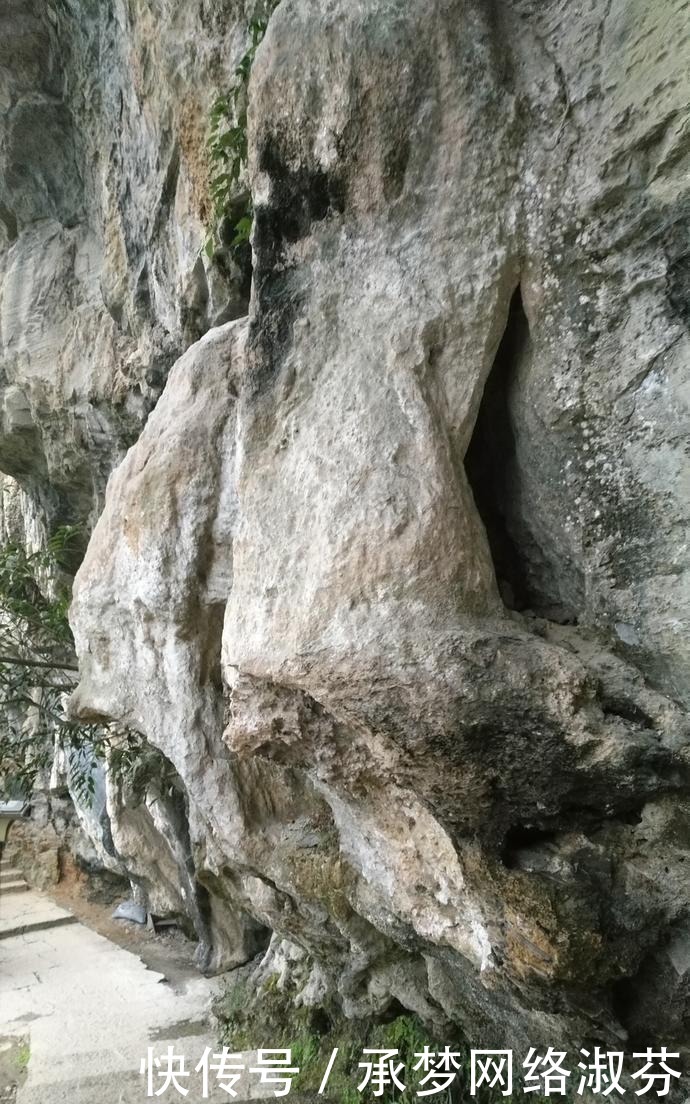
[228, 146]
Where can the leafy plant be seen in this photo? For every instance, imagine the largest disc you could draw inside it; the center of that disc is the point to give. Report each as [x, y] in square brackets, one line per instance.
[228, 145]
[139, 766]
[38, 669]
[269, 1017]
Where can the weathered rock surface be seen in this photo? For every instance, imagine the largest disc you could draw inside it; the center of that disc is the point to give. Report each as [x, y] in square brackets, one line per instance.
[167, 656]
[396, 575]
[103, 209]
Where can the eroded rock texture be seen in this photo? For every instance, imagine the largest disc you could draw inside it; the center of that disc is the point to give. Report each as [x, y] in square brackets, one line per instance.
[396, 575]
[103, 204]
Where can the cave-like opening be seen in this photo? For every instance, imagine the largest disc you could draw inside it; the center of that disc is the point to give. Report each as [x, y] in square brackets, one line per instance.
[491, 462]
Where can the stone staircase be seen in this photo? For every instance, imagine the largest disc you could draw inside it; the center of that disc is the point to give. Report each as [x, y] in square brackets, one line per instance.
[22, 909]
[11, 879]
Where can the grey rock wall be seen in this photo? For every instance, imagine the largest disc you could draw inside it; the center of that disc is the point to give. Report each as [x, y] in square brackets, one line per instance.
[396, 573]
[103, 211]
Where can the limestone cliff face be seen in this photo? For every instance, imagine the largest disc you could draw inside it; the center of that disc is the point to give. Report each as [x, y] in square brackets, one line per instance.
[396, 574]
[103, 202]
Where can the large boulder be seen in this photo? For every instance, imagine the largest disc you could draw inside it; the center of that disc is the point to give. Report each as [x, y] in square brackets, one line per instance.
[433, 508]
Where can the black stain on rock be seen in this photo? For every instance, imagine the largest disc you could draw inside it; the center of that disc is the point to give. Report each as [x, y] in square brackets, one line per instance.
[299, 197]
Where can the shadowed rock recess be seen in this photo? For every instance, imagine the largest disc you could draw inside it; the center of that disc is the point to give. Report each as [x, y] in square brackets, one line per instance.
[396, 574]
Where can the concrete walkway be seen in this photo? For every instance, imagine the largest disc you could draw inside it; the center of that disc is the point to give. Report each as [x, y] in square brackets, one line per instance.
[81, 1012]
[27, 912]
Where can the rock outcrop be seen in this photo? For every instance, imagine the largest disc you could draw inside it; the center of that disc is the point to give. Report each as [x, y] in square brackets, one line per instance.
[396, 574]
[103, 204]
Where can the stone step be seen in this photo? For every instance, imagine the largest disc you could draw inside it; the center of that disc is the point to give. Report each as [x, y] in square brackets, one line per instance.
[36, 926]
[10, 874]
[17, 886]
[21, 913]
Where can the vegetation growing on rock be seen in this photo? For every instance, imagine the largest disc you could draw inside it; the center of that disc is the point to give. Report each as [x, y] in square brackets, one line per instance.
[228, 147]
[38, 672]
[38, 668]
